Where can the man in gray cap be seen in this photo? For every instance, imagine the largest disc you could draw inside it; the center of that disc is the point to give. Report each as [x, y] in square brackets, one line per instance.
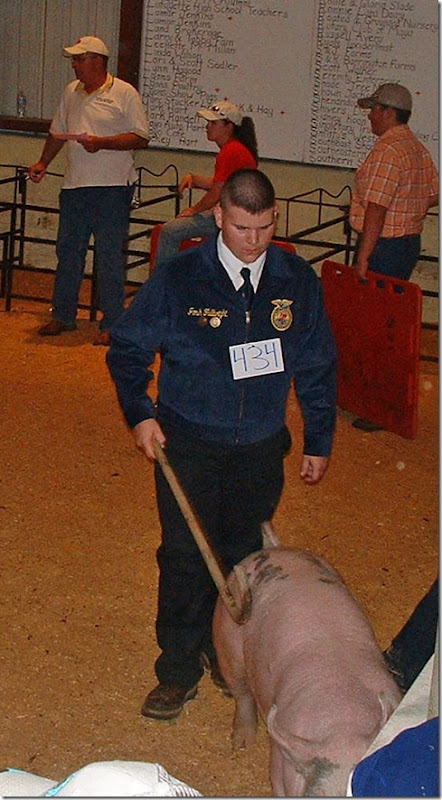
[393, 190]
[103, 121]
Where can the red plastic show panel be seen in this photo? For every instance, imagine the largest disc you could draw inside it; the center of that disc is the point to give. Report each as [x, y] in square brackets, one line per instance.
[155, 235]
[377, 328]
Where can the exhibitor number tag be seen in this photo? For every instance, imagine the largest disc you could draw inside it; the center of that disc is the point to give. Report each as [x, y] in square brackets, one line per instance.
[256, 358]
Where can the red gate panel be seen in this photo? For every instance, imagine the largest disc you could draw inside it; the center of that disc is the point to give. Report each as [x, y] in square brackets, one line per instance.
[377, 328]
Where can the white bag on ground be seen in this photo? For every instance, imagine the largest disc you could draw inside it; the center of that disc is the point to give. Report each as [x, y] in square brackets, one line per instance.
[100, 779]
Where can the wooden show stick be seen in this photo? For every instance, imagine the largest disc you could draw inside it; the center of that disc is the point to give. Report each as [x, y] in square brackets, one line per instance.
[238, 614]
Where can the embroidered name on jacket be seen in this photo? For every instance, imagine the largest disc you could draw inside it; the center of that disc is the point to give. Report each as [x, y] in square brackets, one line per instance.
[211, 316]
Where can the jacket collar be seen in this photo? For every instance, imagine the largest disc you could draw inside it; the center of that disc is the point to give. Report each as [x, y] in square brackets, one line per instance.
[276, 266]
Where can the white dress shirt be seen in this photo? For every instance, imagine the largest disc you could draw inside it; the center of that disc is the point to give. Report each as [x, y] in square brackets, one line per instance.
[233, 265]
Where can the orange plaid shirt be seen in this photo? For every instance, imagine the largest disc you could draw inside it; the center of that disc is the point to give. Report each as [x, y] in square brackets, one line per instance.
[399, 174]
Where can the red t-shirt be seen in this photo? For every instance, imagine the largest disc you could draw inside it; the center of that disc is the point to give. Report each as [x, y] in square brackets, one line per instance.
[234, 155]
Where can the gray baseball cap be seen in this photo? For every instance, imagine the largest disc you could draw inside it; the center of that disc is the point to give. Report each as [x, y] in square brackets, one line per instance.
[388, 94]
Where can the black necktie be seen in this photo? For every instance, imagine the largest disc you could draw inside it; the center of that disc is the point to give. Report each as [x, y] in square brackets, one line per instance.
[247, 289]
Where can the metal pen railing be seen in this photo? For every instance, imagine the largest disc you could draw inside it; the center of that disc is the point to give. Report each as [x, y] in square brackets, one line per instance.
[153, 191]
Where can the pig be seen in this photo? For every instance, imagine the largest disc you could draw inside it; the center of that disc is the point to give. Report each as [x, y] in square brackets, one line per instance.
[308, 660]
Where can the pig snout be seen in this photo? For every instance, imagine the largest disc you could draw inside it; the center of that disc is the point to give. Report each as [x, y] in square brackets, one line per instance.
[307, 660]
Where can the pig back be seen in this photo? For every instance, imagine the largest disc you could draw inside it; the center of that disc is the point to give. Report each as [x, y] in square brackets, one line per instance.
[301, 608]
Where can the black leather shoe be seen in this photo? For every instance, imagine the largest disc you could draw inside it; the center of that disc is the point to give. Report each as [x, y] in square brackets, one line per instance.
[55, 327]
[365, 425]
[166, 701]
[102, 338]
[212, 667]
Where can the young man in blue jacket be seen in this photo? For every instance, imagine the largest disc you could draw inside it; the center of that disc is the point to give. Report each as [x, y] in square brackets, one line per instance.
[227, 364]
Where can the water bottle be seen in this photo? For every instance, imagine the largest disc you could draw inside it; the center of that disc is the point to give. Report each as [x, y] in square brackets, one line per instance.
[21, 104]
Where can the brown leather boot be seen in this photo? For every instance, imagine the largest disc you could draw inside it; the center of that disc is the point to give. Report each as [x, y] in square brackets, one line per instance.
[166, 701]
[55, 327]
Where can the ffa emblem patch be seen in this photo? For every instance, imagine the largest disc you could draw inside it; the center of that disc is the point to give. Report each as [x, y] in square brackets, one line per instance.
[281, 316]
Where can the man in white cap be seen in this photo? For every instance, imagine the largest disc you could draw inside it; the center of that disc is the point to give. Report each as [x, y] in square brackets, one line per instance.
[235, 136]
[103, 121]
[393, 190]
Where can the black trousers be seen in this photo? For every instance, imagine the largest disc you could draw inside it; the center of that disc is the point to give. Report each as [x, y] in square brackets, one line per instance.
[414, 644]
[232, 490]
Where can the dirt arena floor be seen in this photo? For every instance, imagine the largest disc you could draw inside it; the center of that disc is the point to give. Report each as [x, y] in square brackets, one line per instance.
[79, 532]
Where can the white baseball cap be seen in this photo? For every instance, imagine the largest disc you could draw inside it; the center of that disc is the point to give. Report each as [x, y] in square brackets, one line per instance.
[87, 44]
[223, 110]
[388, 94]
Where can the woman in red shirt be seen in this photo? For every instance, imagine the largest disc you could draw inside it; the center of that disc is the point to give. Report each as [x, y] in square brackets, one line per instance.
[235, 136]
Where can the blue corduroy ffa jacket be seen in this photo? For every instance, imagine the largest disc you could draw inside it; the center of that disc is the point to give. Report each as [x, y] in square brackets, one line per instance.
[190, 313]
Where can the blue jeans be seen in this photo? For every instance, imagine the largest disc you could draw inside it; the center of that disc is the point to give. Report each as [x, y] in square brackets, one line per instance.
[101, 211]
[395, 257]
[174, 231]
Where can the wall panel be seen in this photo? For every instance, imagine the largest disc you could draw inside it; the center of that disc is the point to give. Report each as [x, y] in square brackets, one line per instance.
[32, 37]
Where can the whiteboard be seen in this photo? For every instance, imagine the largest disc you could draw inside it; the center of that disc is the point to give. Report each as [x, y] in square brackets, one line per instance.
[296, 67]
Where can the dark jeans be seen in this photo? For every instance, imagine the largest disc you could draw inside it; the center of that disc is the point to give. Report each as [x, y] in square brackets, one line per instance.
[101, 211]
[396, 258]
[232, 489]
[414, 644]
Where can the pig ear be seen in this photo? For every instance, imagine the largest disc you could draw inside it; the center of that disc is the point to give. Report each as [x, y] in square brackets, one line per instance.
[288, 743]
[301, 755]
[274, 733]
[388, 702]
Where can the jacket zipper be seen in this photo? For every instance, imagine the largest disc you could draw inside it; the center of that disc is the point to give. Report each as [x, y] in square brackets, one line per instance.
[248, 319]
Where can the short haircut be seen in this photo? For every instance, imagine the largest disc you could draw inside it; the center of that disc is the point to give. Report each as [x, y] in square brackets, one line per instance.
[402, 114]
[104, 59]
[249, 189]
